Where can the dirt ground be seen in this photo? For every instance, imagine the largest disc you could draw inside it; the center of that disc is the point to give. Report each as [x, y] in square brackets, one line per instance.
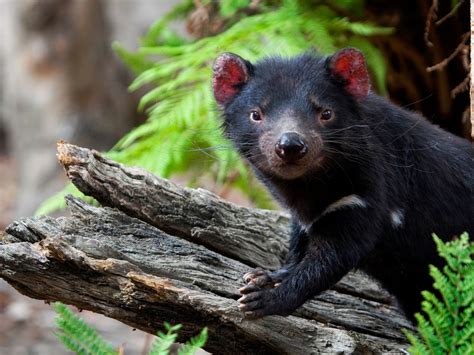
[27, 325]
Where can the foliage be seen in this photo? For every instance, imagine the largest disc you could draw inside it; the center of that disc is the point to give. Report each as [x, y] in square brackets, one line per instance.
[448, 324]
[230, 7]
[57, 201]
[77, 336]
[164, 341]
[81, 338]
[182, 133]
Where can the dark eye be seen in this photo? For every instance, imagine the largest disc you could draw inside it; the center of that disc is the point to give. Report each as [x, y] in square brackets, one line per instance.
[255, 116]
[326, 115]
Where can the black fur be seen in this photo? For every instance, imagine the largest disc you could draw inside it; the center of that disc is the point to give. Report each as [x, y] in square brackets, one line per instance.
[390, 157]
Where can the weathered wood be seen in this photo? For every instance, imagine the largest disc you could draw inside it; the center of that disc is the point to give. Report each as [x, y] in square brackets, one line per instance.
[118, 264]
[255, 236]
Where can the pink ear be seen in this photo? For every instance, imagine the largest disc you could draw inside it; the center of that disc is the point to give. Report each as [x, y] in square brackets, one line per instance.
[230, 73]
[349, 64]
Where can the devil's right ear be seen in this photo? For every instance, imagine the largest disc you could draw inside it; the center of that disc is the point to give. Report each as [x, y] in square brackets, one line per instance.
[349, 65]
[231, 73]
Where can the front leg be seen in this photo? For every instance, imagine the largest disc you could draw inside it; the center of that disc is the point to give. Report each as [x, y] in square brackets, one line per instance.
[297, 287]
[296, 251]
[333, 249]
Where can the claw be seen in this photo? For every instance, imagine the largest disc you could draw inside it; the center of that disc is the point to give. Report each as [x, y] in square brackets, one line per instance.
[249, 288]
[257, 302]
[259, 277]
[251, 275]
[250, 297]
[253, 303]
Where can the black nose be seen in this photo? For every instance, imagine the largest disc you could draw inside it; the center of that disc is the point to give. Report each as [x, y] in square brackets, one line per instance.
[291, 147]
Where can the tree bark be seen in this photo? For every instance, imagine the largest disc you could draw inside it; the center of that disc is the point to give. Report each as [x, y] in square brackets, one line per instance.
[159, 252]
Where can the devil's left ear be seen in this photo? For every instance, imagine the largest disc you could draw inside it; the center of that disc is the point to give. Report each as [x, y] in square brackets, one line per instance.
[349, 64]
[231, 72]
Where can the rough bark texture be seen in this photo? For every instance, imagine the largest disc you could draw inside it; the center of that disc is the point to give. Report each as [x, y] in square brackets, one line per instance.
[159, 252]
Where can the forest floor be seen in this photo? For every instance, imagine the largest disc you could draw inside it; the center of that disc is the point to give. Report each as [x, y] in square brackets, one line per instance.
[27, 325]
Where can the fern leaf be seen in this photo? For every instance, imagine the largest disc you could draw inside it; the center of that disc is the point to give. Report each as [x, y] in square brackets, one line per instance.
[418, 347]
[57, 202]
[450, 324]
[77, 335]
[230, 7]
[193, 344]
[179, 101]
[164, 341]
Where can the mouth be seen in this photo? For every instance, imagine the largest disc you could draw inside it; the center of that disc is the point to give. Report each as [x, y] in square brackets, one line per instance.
[289, 170]
[294, 169]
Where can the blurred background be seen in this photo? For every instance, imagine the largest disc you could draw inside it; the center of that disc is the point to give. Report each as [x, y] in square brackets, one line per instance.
[60, 78]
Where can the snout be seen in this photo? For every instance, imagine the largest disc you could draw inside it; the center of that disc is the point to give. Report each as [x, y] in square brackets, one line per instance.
[291, 147]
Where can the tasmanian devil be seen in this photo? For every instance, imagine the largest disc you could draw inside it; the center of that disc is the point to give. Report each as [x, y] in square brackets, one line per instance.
[366, 182]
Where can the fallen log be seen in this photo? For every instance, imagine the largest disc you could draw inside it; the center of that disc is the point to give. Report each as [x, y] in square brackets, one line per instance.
[159, 252]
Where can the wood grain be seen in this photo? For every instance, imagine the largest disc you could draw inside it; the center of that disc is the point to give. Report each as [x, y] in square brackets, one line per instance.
[159, 252]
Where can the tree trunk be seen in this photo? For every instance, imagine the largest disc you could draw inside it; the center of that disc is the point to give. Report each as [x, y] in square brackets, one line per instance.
[159, 252]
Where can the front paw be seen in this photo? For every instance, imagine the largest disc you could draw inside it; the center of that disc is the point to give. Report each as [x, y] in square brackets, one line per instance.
[260, 278]
[256, 302]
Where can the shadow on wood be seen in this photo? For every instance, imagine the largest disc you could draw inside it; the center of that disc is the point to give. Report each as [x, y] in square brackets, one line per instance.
[159, 252]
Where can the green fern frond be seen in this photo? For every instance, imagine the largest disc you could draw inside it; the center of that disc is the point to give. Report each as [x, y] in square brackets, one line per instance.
[418, 346]
[160, 33]
[359, 28]
[82, 339]
[193, 344]
[70, 344]
[57, 201]
[182, 133]
[448, 327]
[137, 62]
[185, 71]
[230, 7]
[77, 336]
[164, 341]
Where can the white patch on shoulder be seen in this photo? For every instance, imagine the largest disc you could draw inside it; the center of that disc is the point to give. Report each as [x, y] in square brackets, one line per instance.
[347, 201]
[397, 217]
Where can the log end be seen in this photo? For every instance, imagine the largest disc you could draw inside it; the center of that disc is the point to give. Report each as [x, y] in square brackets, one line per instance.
[67, 155]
